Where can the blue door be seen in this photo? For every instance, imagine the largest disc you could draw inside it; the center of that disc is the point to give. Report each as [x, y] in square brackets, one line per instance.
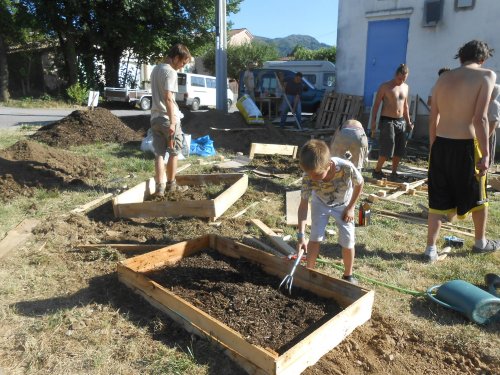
[385, 50]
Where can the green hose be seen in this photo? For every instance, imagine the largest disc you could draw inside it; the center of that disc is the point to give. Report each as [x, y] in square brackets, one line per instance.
[370, 280]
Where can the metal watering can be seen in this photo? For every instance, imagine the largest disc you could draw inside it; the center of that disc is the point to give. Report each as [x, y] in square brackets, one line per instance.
[469, 300]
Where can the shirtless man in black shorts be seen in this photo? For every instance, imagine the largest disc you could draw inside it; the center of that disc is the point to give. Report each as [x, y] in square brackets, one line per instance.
[394, 121]
[458, 135]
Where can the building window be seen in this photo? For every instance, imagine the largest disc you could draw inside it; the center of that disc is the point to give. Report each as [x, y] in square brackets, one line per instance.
[464, 4]
[433, 12]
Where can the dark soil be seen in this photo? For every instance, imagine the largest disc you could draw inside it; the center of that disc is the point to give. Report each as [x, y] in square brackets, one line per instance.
[83, 127]
[195, 192]
[242, 296]
[28, 165]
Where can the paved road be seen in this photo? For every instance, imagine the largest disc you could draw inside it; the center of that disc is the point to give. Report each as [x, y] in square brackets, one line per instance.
[11, 118]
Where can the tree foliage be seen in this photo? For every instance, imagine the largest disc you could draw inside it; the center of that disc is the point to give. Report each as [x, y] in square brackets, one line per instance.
[91, 31]
[301, 53]
[239, 56]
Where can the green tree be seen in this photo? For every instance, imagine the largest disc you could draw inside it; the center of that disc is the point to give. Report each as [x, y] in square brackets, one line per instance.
[301, 53]
[92, 30]
[239, 56]
[7, 28]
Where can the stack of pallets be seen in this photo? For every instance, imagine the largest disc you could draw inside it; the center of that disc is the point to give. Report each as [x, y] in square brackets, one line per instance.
[336, 108]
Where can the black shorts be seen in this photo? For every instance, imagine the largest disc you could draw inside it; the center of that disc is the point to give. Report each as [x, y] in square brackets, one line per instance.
[392, 136]
[453, 184]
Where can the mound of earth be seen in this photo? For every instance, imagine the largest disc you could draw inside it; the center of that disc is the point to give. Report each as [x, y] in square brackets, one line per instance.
[83, 127]
[27, 165]
[216, 124]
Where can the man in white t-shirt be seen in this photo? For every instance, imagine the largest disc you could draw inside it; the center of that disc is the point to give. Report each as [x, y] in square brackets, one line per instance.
[165, 118]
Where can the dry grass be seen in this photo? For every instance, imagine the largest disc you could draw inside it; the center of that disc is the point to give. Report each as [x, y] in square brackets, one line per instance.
[63, 311]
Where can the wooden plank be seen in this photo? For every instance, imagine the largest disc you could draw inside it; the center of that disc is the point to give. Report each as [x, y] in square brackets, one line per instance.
[199, 208]
[132, 203]
[275, 239]
[122, 247]
[96, 202]
[211, 327]
[272, 149]
[243, 211]
[374, 198]
[183, 167]
[292, 207]
[230, 196]
[16, 237]
[310, 349]
[166, 256]
[256, 242]
[421, 221]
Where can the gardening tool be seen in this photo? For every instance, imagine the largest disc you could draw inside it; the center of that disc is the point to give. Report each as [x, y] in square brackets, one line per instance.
[476, 304]
[288, 102]
[288, 279]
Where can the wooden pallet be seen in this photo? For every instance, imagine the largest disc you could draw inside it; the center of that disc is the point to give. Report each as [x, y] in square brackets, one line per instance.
[337, 108]
[357, 304]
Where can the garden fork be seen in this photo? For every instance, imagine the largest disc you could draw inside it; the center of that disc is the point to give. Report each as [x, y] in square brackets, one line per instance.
[288, 279]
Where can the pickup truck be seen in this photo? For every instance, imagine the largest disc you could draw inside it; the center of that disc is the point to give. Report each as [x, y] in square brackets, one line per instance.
[126, 95]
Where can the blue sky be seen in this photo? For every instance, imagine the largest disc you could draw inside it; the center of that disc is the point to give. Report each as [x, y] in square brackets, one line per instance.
[280, 18]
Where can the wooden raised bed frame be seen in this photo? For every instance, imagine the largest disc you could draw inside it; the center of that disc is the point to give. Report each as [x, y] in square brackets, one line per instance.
[356, 302]
[132, 203]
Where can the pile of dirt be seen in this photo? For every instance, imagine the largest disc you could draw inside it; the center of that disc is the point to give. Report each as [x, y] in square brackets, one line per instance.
[83, 127]
[28, 165]
[229, 131]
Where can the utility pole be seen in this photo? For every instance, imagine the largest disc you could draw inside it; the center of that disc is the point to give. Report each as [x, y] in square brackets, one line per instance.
[221, 56]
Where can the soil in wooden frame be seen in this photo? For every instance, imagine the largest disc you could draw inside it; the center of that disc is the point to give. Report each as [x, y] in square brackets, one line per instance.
[241, 295]
[194, 192]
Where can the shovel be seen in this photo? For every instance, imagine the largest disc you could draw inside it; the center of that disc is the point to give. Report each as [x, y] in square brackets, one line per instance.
[288, 279]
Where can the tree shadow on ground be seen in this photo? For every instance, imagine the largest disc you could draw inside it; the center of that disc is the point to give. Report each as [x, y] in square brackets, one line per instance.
[107, 290]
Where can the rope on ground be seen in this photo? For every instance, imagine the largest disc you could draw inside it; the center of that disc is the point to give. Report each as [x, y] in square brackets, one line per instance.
[373, 281]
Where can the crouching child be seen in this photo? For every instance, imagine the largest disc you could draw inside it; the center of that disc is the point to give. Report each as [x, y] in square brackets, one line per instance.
[334, 185]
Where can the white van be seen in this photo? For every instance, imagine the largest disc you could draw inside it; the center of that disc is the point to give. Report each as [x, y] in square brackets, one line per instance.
[197, 90]
[318, 72]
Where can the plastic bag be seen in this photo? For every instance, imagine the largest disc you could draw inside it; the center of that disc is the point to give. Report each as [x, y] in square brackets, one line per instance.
[202, 146]
[147, 142]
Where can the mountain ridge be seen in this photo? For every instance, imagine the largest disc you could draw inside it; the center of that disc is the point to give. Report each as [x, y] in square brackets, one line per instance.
[286, 44]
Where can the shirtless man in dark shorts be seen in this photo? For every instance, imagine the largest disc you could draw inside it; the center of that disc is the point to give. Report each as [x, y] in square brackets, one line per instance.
[459, 158]
[394, 121]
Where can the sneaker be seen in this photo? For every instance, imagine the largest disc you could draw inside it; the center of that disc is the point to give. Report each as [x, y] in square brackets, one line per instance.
[160, 190]
[172, 186]
[378, 174]
[430, 257]
[351, 279]
[491, 246]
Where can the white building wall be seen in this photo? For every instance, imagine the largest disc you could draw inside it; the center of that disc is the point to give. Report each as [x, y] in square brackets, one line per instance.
[429, 48]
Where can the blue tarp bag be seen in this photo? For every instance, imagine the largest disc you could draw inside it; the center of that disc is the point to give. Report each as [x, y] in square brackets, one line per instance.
[202, 146]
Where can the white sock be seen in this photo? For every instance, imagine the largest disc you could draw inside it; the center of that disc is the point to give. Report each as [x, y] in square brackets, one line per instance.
[480, 244]
[430, 249]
